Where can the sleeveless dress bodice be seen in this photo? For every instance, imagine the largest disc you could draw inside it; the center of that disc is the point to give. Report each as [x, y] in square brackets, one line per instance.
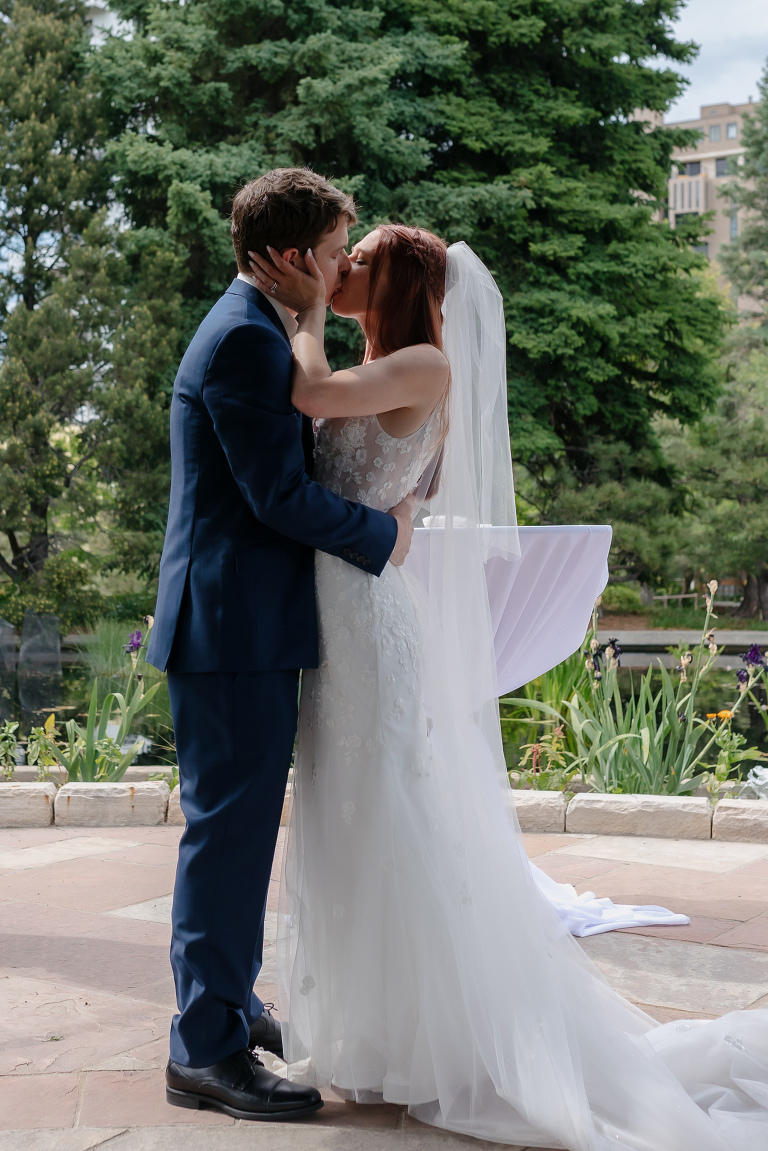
[357, 459]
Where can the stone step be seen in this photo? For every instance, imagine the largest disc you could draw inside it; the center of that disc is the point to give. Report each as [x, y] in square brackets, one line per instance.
[111, 804]
[656, 816]
[741, 820]
[539, 810]
[660, 816]
[27, 804]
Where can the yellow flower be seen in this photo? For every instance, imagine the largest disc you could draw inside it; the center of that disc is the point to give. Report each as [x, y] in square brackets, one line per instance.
[725, 715]
[711, 715]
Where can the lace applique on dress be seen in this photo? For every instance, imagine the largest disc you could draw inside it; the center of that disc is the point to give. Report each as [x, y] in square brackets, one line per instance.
[357, 459]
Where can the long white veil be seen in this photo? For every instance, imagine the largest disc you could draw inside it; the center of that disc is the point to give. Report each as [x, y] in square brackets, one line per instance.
[476, 485]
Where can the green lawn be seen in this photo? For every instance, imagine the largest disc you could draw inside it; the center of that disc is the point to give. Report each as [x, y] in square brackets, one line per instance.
[688, 618]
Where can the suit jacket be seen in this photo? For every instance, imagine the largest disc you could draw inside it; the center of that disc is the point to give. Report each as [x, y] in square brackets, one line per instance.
[236, 586]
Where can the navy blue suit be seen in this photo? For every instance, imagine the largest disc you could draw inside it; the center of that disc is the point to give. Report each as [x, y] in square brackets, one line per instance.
[234, 623]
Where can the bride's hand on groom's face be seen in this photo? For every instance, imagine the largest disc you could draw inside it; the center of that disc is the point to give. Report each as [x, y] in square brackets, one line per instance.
[288, 285]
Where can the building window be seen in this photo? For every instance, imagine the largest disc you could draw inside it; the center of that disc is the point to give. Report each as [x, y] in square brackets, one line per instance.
[714, 131]
[674, 196]
[703, 248]
[693, 169]
[732, 131]
[721, 166]
[734, 225]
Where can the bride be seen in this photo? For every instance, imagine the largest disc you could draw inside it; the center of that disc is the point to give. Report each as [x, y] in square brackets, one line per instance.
[421, 959]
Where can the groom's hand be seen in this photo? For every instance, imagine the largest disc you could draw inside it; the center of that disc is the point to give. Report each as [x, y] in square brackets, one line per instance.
[403, 513]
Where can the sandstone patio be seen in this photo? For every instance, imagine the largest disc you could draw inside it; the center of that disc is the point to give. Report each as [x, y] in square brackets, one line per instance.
[86, 990]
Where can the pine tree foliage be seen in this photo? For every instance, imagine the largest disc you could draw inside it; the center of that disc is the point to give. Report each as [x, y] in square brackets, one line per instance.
[509, 124]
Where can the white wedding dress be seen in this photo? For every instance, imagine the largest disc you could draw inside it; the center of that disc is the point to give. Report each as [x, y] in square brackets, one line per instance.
[421, 958]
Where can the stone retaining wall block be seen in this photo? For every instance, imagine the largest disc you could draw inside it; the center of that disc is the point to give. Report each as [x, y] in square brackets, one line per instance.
[111, 804]
[539, 810]
[175, 814]
[26, 804]
[657, 816]
[744, 820]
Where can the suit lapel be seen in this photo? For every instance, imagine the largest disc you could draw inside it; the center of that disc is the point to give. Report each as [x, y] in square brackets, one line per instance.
[260, 301]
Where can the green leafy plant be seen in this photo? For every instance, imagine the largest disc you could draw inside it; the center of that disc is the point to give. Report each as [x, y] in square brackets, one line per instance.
[8, 749]
[89, 754]
[549, 769]
[39, 753]
[729, 744]
[622, 599]
[654, 743]
[171, 776]
[521, 718]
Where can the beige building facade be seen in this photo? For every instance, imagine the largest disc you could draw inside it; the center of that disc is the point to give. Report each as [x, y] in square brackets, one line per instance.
[700, 171]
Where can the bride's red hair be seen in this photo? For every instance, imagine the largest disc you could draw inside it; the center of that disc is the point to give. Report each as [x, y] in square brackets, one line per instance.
[410, 312]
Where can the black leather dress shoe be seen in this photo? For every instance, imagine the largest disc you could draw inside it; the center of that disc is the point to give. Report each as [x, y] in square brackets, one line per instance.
[266, 1032]
[240, 1086]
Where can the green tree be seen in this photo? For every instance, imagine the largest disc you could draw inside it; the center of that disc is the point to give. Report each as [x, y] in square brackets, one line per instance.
[50, 184]
[89, 329]
[746, 259]
[723, 462]
[508, 124]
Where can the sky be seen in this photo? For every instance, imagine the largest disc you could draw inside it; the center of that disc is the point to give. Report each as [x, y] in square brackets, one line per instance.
[733, 35]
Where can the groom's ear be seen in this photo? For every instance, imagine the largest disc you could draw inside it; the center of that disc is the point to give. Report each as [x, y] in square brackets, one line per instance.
[291, 255]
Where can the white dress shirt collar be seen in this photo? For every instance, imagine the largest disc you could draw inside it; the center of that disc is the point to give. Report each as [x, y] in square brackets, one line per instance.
[287, 320]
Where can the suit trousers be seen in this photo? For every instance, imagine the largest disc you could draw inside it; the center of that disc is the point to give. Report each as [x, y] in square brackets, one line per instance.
[234, 738]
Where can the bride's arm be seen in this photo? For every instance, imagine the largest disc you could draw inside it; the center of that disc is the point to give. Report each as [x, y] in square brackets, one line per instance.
[410, 378]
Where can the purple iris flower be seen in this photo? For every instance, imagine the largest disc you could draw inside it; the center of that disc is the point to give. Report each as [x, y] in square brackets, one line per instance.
[742, 675]
[134, 642]
[754, 657]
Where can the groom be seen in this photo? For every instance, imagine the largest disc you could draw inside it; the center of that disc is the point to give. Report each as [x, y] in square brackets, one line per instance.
[234, 623]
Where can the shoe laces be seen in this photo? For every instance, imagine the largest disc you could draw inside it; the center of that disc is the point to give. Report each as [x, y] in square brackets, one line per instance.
[253, 1060]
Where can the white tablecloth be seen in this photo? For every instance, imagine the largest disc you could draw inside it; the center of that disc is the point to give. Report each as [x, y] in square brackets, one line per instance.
[541, 604]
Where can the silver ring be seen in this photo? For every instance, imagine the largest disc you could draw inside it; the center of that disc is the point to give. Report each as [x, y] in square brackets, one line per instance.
[273, 289]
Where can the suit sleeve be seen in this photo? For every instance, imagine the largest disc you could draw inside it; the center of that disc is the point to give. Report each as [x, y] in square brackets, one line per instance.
[247, 393]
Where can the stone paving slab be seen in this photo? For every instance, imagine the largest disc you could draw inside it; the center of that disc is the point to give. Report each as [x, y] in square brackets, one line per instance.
[717, 979]
[716, 856]
[60, 850]
[247, 1137]
[86, 992]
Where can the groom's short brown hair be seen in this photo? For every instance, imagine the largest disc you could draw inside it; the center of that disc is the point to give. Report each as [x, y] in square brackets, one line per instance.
[286, 208]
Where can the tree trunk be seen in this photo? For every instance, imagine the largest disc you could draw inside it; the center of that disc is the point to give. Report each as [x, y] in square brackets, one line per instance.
[30, 559]
[754, 605]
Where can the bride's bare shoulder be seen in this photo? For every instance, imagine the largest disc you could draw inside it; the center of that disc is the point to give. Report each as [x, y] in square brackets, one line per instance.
[420, 358]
